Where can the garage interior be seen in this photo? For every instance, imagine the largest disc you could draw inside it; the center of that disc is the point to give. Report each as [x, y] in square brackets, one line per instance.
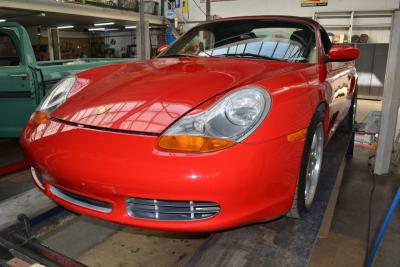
[355, 215]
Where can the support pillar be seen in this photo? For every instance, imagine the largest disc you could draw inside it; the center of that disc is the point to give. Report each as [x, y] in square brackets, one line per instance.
[143, 36]
[208, 10]
[391, 101]
[54, 43]
[143, 41]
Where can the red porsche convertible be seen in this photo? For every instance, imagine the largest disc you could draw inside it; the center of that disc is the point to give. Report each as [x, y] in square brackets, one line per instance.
[226, 127]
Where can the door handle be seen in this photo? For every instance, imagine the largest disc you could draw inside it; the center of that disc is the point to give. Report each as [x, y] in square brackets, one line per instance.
[20, 75]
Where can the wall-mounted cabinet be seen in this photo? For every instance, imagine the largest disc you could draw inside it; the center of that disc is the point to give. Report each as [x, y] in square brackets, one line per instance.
[371, 67]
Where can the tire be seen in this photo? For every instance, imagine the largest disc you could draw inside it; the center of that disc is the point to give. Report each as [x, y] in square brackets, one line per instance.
[349, 121]
[307, 181]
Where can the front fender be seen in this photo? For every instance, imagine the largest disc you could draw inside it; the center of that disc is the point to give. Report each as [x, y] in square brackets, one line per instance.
[293, 103]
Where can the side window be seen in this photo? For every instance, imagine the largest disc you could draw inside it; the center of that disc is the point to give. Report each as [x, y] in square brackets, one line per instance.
[8, 52]
[326, 42]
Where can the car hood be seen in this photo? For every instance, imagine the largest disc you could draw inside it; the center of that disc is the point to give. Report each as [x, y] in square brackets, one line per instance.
[148, 96]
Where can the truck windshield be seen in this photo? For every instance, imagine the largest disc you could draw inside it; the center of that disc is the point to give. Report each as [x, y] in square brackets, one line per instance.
[263, 39]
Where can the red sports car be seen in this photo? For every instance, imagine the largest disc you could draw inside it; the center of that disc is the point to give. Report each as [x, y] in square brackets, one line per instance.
[225, 127]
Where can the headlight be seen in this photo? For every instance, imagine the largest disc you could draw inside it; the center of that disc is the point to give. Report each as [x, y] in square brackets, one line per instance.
[57, 95]
[53, 99]
[224, 124]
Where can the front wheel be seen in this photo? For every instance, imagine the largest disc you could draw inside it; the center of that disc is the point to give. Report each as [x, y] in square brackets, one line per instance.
[310, 169]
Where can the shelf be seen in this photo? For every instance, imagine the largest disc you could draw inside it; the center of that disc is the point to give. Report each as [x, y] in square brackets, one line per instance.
[381, 25]
[355, 14]
[346, 20]
[372, 26]
[336, 26]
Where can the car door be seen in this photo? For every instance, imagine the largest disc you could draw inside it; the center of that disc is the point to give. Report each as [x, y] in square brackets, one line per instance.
[17, 85]
[339, 76]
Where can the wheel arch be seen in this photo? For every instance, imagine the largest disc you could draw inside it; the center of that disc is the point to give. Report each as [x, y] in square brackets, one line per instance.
[324, 108]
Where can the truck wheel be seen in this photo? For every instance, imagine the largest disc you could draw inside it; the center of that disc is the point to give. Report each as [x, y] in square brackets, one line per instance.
[310, 169]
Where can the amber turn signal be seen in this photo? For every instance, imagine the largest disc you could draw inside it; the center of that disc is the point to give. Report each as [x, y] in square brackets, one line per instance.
[296, 136]
[193, 143]
[39, 117]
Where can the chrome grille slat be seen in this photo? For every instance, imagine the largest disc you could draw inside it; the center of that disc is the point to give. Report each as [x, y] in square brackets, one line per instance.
[170, 210]
[170, 205]
[174, 212]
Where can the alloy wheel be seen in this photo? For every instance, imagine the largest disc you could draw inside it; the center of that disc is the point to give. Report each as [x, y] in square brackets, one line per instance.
[314, 165]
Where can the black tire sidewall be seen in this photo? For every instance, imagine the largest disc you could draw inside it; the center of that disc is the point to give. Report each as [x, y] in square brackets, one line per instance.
[350, 119]
[301, 205]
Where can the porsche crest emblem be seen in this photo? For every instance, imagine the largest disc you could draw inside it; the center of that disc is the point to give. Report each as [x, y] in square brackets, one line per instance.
[102, 109]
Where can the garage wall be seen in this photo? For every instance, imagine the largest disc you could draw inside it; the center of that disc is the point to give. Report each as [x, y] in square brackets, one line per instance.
[293, 8]
[119, 41]
[285, 7]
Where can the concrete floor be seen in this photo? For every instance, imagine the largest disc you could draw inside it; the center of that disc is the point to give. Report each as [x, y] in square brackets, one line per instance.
[100, 243]
[365, 106]
[140, 247]
[345, 245]
[14, 184]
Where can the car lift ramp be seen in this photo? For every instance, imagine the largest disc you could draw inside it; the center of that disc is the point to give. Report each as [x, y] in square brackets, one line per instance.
[282, 242]
[285, 241]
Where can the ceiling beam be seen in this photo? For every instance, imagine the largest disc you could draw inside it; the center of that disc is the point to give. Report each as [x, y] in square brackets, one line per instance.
[79, 9]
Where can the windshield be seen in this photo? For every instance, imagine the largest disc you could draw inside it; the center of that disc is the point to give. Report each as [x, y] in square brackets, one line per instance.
[265, 39]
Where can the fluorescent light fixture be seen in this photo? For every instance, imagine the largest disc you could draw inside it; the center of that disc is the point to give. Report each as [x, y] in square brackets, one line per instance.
[65, 27]
[112, 29]
[104, 24]
[97, 29]
[3, 20]
[130, 27]
[103, 29]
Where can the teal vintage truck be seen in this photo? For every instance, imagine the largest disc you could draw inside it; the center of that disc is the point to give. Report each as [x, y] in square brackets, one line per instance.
[24, 81]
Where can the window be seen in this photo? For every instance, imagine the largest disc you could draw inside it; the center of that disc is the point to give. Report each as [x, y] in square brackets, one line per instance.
[274, 40]
[8, 52]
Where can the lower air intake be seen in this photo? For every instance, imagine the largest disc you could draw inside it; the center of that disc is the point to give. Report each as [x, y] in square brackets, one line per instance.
[81, 200]
[170, 210]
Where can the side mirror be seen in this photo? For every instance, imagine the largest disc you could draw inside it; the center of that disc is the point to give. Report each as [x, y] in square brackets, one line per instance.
[161, 49]
[343, 53]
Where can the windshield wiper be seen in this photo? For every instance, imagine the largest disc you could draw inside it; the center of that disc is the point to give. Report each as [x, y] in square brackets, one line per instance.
[249, 55]
[179, 55]
[189, 55]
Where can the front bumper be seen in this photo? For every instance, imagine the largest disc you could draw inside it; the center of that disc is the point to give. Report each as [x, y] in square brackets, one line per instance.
[249, 182]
